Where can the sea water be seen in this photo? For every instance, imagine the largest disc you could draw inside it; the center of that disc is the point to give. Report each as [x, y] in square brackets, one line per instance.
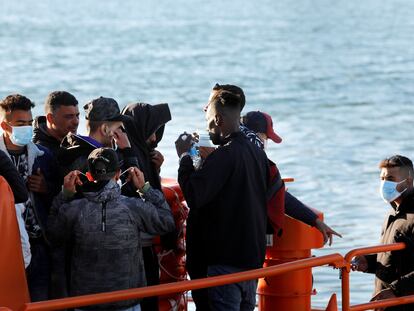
[336, 76]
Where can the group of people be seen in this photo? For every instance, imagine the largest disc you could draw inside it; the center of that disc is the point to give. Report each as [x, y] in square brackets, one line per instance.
[88, 207]
[81, 232]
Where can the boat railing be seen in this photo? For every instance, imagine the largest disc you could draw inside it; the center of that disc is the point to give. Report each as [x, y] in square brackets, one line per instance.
[335, 260]
[345, 275]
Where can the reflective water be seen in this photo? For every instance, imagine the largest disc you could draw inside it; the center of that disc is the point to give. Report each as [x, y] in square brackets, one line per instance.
[336, 76]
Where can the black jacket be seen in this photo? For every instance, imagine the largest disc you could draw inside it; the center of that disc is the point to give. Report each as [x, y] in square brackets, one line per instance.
[146, 120]
[42, 137]
[75, 149]
[230, 192]
[13, 178]
[396, 269]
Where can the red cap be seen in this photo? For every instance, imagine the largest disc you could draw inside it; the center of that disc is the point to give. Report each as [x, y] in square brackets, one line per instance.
[270, 133]
[260, 122]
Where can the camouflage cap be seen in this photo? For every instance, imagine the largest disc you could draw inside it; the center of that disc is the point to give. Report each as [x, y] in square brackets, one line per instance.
[103, 163]
[103, 109]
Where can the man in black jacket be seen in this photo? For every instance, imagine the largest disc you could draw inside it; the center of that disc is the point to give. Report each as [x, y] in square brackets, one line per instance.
[145, 129]
[229, 195]
[394, 271]
[62, 117]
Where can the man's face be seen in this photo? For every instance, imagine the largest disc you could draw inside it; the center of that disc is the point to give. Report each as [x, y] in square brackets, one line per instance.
[205, 108]
[64, 120]
[395, 174]
[16, 118]
[109, 129]
[213, 129]
[152, 141]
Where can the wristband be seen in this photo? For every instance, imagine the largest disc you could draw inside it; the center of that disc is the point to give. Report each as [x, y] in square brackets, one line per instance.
[144, 188]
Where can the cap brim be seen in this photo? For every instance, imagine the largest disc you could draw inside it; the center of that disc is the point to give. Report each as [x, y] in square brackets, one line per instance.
[276, 138]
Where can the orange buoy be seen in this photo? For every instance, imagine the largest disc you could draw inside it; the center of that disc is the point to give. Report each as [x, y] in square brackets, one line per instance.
[172, 262]
[293, 290]
[13, 285]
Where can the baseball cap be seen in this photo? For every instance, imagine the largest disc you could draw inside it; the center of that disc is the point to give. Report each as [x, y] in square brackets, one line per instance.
[103, 109]
[260, 122]
[103, 163]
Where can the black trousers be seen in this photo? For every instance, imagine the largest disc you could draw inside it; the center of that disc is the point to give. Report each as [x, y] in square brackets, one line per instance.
[152, 275]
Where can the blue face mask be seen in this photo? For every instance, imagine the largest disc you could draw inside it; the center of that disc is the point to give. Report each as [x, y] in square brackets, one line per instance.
[389, 192]
[21, 135]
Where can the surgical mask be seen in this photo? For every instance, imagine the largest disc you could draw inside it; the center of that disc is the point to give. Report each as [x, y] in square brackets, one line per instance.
[388, 190]
[21, 135]
[119, 182]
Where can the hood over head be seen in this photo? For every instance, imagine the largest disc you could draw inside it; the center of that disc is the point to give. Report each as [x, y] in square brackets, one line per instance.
[145, 120]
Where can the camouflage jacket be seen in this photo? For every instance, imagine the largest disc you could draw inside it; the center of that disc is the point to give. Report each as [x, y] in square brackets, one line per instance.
[104, 230]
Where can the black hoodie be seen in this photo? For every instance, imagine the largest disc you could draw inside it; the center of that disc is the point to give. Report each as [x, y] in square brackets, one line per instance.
[146, 120]
[42, 137]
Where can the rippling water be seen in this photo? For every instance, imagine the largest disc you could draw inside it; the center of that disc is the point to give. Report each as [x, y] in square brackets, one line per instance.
[336, 76]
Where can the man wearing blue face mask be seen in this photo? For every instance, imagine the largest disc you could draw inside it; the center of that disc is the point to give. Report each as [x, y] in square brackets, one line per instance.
[36, 166]
[394, 270]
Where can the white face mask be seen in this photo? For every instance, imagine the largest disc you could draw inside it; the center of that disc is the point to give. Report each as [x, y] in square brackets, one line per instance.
[21, 135]
[389, 192]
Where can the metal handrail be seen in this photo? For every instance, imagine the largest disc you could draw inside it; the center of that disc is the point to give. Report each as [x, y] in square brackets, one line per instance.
[345, 271]
[333, 259]
[336, 260]
[383, 303]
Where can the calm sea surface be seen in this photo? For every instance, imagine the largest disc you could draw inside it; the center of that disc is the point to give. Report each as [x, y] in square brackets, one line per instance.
[337, 77]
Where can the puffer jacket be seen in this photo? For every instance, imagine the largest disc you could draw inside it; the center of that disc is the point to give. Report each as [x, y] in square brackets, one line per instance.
[105, 229]
[396, 269]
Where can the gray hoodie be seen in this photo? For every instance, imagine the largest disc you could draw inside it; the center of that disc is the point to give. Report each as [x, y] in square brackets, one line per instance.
[105, 238]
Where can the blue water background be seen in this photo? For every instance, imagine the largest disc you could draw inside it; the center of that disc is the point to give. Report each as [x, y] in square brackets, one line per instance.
[337, 76]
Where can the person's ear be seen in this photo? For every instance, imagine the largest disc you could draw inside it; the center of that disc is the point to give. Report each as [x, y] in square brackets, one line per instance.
[218, 120]
[410, 180]
[104, 129]
[5, 127]
[50, 118]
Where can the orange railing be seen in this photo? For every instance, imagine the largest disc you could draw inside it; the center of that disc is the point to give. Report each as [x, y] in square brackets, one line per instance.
[335, 260]
[346, 269]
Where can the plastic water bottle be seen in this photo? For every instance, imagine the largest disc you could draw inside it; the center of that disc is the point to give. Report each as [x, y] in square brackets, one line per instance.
[195, 155]
[204, 140]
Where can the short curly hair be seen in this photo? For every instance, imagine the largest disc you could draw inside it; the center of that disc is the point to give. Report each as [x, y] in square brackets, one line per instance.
[14, 102]
[232, 89]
